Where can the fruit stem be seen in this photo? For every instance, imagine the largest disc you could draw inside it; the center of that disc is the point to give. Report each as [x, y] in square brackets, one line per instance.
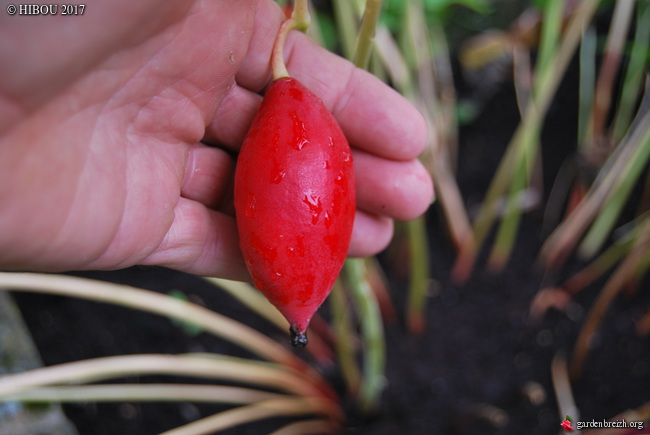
[278, 67]
[299, 20]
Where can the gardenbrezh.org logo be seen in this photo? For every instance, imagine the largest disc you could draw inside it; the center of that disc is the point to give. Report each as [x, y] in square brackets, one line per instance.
[569, 425]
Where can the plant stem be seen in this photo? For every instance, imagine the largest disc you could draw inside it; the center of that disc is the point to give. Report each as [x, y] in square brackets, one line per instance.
[598, 267]
[616, 39]
[550, 34]
[299, 20]
[562, 241]
[144, 393]
[562, 387]
[346, 24]
[419, 276]
[622, 275]
[152, 302]
[345, 338]
[628, 177]
[278, 67]
[372, 334]
[271, 408]
[366, 34]
[149, 301]
[300, 13]
[256, 302]
[252, 299]
[211, 367]
[587, 83]
[636, 68]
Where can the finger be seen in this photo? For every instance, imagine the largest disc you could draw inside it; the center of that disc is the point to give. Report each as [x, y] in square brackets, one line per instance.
[373, 116]
[207, 175]
[402, 190]
[370, 234]
[200, 241]
[255, 70]
[233, 118]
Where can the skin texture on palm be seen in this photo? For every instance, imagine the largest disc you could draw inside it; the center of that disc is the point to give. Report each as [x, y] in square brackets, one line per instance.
[118, 132]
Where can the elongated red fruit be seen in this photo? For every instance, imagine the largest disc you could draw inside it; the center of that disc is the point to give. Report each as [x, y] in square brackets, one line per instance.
[294, 201]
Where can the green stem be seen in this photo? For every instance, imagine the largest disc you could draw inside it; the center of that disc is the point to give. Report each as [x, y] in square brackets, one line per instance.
[366, 34]
[587, 84]
[634, 74]
[609, 213]
[372, 333]
[346, 25]
[550, 34]
[419, 264]
[345, 338]
[300, 13]
[507, 232]
[523, 168]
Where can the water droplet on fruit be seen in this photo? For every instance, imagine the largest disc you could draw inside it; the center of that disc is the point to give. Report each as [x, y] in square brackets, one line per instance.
[299, 132]
[346, 156]
[276, 276]
[298, 338]
[327, 219]
[315, 206]
[326, 164]
[330, 142]
[279, 176]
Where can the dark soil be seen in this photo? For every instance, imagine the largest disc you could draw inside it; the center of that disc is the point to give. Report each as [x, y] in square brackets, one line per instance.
[466, 374]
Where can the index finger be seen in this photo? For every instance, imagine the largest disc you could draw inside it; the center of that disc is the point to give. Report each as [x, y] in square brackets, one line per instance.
[373, 116]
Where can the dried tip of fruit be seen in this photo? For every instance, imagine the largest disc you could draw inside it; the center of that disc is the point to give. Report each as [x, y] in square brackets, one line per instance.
[298, 338]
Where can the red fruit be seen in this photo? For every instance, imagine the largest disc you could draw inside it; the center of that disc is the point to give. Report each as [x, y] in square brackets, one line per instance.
[295, 202]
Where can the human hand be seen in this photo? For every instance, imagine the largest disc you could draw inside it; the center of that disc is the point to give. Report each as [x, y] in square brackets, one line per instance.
[118, 130]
